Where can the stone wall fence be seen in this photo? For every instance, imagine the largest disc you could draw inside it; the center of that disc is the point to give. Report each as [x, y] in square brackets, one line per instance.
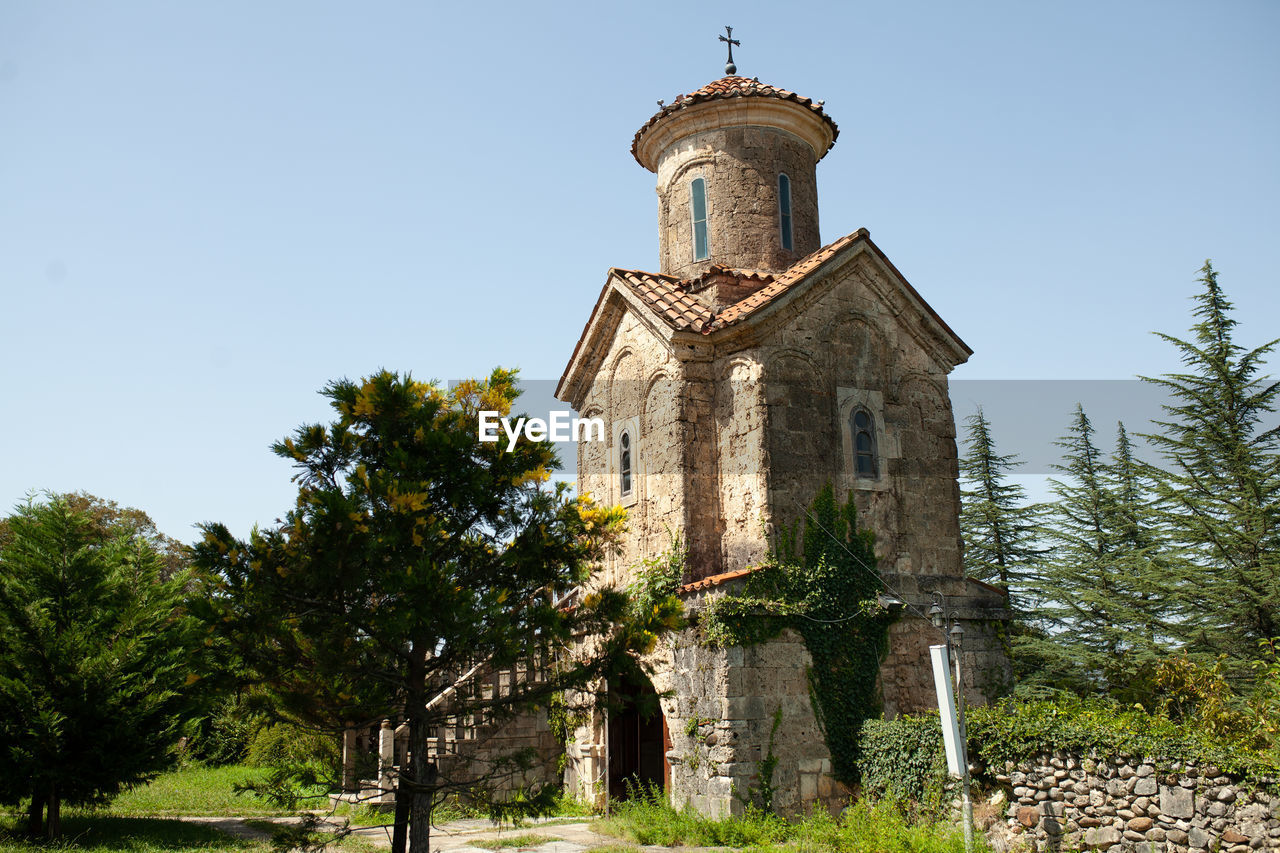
[1122, 804]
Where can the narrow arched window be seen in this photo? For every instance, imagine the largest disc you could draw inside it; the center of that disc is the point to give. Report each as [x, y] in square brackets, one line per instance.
[624, 465]
[784, 209]
[698, 204]
[865, 461]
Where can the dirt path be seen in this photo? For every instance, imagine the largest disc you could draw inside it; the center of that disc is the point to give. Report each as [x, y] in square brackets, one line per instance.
[455, 837]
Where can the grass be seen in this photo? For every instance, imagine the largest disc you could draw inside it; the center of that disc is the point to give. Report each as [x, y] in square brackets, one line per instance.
[863, 828]
[525, 839]
[103, 834]
[192, 790]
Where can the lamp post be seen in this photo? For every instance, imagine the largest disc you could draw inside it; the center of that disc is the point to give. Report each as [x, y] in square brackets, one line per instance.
[953, 635]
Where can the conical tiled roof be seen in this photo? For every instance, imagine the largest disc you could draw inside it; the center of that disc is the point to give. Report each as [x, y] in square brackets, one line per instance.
[733, 87]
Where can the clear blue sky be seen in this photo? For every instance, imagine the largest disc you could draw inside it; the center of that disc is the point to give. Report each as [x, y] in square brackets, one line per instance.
[209, 210]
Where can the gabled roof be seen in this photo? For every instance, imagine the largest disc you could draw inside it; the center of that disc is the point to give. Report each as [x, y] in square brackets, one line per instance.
[668, 298]
[670, 301]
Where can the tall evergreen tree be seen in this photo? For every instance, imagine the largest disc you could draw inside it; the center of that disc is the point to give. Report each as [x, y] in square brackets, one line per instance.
[1220, 487]
[998, 525]
[1142, 553]
[1097, 586]
[98, 660]
[416, 562]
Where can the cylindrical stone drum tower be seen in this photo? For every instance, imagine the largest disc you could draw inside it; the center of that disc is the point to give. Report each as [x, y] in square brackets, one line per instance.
[737, 185]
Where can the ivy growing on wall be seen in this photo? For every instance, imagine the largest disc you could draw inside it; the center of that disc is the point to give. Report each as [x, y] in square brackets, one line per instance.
[822, 582]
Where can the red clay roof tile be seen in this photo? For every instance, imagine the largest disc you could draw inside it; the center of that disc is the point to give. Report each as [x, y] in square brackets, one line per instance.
[667, 297]
[716, 580]
[734, 87]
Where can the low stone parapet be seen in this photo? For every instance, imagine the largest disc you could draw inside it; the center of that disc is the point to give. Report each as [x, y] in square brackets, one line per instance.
[1146, 806]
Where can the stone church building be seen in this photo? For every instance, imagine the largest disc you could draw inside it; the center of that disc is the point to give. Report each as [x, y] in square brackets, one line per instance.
[754, 366]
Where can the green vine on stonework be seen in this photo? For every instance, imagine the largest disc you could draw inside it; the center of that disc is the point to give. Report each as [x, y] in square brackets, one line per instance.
[821, 582]
[765, 791]
[652, 593]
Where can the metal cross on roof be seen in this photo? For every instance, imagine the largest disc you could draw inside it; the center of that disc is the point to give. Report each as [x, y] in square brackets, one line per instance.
[729, 67]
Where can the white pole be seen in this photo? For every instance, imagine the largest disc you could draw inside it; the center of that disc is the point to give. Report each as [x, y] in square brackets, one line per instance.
[966, 803]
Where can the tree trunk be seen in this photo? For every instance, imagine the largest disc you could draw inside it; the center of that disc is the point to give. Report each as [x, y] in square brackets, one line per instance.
[416, 761]
[53, 829]
[420, 822]
[424, 781]
[35, 815]
[400, 833]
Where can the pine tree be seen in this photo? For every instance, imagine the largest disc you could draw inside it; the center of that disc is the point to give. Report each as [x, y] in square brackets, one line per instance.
[1098, 584]
[1143, 556]
[98, 661]
[1220, 487]
[998, 526]
[417, 560]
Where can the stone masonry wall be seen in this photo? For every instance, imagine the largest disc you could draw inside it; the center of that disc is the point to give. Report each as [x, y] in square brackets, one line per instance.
[720, 712]
[740, 166]
[854, 339]
[1122, 804]
[478, 752]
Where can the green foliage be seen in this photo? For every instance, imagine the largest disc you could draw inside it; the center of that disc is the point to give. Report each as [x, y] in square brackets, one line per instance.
[652, 602]
[1220, 485]
[1000, 529]
[902, 760]
[193, 790]
[1102, 591]
[97, 834]
[863, 827]
[768, 765]
[1016, 731]
[1264, 703]
[647, 818]
[506, 842]
[98, 660]
[282, 744]
[417, 560]
[222, 736]
[823, 584]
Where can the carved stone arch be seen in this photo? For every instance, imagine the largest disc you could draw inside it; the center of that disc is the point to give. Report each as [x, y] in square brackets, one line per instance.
[803, 436]
[593, 459]
[742, 459]
[737, 362]
[691, 165]
[790, 364]
[922, 412]
[859, 351]
[625, 384]
[660, 451]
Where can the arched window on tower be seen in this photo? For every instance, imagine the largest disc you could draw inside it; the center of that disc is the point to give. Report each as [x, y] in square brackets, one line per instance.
[784, 209]
[698, 205]
[866, 460]
[624, 464]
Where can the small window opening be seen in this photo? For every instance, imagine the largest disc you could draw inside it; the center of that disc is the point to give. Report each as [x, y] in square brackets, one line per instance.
[624, 474]
[698, 203]
[864, 444]
[784, 209]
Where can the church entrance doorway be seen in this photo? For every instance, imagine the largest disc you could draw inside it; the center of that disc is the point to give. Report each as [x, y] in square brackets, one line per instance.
[638, 739]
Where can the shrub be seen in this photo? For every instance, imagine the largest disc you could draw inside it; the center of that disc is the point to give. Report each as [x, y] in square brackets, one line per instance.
[284, 744]
[902, 760]
[1016, 731]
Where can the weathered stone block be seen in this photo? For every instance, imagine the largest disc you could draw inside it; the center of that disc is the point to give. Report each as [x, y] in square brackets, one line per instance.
[1103, 836]
[1177, 802]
